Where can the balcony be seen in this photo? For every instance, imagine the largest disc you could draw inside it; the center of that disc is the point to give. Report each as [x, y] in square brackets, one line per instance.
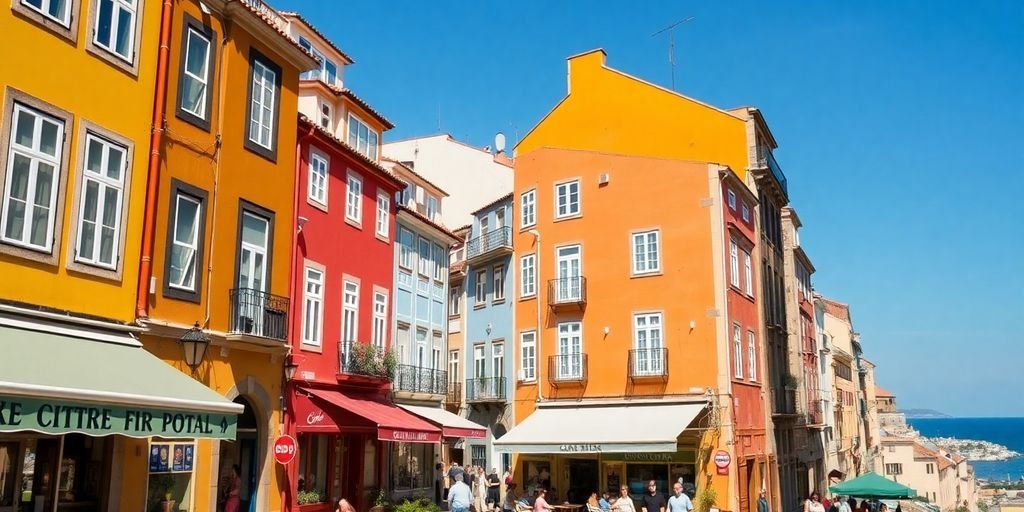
[258, 314]
[365, 360]
[269, 12]
[766, 160]
[784, 402]
[567, 291]
[489, 245]
[410, 379]
[648, 363]
[454, 396]
[816, 413]
[485, 390]
[567, 368]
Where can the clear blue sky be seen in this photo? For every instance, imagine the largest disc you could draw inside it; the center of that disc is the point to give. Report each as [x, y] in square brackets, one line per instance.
[900, 126]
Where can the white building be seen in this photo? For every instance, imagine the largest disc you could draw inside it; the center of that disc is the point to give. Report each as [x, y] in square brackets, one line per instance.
[472, 176]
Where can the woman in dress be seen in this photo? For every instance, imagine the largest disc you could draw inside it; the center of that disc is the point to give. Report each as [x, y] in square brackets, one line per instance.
[480, 489]
[234, 502]
[813, 503]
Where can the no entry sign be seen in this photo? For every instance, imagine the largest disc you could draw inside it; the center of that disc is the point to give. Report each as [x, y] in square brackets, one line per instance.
[722, 461]
[285, 449]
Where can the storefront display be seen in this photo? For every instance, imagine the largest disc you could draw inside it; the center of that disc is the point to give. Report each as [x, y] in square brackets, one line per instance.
[171, 466]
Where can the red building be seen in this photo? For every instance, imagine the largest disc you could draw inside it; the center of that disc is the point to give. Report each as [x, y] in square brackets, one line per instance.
[747, 369]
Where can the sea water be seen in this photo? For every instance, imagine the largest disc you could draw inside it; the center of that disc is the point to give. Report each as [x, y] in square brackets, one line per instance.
[1008, 432]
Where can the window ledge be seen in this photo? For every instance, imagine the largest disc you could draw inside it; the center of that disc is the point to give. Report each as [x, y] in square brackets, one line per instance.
[307, 347]
[69, 33]
[110, 274]
[316, 204]
[354, 223]
[480, 305]
[383, 238]
[129, 67]
[498, 301]
[524, 298]
[642, 275]
[568, 217]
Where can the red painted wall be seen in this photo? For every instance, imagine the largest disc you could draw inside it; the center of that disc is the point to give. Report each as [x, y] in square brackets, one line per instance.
[343, 249]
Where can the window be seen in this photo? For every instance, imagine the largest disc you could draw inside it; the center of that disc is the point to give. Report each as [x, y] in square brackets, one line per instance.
[646, 253]
[194, 98]
[263, 106]
[478, 455]
[481, 286]
[455, 301]
[101, 202]
[737, 351]
[528, 355]
[479, 361]
[929, 469]
[498, 360]
[528, 209]
[892, 448]
[435, 353]
[350, 312]
[405, 240]
[746, 211]
[570, 350]
[499, 219]
[423, 256]
[354, 198]
[894, 469]
[254, 259]
[439, 266]
[186, 227]
[34, 162]
[431, 207]
[255, 240]
[748, 274]
[56, 10]
[411, 465]
[567, 199]
[314, 463]
[383, 206]
[752, 355]
[313, 308]
[380, 318]
[734, 264]
[732, 200]
[325, 116]
[406, 194]
[115, 27]
[499, 282]
[647, 340]
[328, 71]
[362, 138]
[527, 276]
[319, 165]
[453, 368]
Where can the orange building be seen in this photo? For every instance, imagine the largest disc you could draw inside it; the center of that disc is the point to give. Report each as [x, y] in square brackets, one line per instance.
[640, 352]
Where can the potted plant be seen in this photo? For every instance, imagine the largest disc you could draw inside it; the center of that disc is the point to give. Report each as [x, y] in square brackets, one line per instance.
[790, 381]
[165, 485]
[706, 498]
[389, 364]
[308, 497]
[380, 500]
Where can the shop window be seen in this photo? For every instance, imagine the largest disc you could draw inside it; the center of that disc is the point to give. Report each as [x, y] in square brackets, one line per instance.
[370, 466]
[478, 455]
[313, 467]
[170, 474]
[411, 466]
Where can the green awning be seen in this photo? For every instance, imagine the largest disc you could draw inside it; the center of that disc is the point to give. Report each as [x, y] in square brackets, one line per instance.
[56, 380]
[872, 485]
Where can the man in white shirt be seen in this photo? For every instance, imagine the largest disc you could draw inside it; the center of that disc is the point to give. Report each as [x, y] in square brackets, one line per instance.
[679, 502]
[459, 496]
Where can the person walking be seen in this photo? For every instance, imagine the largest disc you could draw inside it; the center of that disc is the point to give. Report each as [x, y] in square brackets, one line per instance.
[813, 503]
[680, 502]
[493, 489]
[234, 501]
[624, 503]
[509, 503]
[459, 495]
[654, 501]
[762, 503]
[843, 505]
[480, 483]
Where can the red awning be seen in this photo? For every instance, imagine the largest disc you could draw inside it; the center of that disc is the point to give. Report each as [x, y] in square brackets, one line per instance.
[332, 411]
[452, 425]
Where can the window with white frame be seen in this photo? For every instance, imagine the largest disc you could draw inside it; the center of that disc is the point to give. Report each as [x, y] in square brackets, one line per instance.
[646, 252]
[647, 340]
[734, 264]
[326, 116]
[479, 361]
[455, 300]
[567, 199]
[328, 70]
[527, 275]
[737, 351]
[435, 354]
[313, 309]
[187, 232]
[745, 211]
[56, 10]
[101, 202]
[406, 245]
[453, 367]
[421, 347]
[481, 286]
[893, 469]
[439, 266]
[33, 177]
[263, 104]
[498, 284]
[498, 360]
[319, 165]
[115, 27]
[748, 273]
[732, 200]
[195, 73]
[382, 220]
[350, 312]
[362, 137]
[570, 350]
[431, 207]
[380, 317]
[528, 208]
[354, 198]
[528, 355]
[751, 355]
[423, 256]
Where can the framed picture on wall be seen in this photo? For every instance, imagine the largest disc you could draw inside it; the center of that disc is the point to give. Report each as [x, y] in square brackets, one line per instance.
[536, 473]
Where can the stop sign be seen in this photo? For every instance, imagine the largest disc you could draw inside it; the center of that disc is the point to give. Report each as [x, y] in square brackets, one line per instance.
[285, 449]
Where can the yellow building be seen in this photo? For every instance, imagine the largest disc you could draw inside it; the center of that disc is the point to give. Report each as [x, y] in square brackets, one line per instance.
[80, 398]
[223, 231]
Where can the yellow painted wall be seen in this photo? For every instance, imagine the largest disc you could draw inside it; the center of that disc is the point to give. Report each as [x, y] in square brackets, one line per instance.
[607, 110]
[51, 68]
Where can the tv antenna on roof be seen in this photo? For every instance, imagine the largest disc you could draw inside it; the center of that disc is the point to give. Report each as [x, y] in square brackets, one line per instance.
[672, 45]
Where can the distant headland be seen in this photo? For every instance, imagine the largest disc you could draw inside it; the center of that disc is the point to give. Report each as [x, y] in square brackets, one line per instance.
[923, 413]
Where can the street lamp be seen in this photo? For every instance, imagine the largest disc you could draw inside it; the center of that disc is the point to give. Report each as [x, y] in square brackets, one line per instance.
[290, 367]
[194, 342]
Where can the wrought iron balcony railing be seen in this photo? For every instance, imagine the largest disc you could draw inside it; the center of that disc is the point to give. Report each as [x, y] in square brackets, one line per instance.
[767, 160]
[494, 242]
[366, 359]
[567, 290]
[258, 313]
[570, 367]
[486, 389]
[648, 363]
[784, 401]
[454, 395]
[417, 379]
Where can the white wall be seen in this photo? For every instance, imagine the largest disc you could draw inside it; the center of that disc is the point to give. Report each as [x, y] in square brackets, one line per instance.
[469, 175]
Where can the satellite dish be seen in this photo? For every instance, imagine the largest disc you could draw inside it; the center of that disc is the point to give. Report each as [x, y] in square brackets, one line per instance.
[499, 142]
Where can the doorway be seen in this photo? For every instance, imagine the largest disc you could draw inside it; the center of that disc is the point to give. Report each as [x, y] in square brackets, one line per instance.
[244, 453]
[584, 479]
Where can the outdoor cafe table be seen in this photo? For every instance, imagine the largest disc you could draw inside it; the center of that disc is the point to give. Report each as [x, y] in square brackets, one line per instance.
[567, 508]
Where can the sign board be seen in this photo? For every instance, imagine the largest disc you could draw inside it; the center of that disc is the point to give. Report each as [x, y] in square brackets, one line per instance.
[171, 457]
[722, 460]
[285, 449]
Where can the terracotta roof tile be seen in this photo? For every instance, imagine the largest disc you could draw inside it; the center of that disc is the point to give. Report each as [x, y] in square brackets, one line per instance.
[264, 15]
[353, 153]
[346, 92]
[432, 224]
[837, 309]
[412, 171]
[882, 393]
[298, 16]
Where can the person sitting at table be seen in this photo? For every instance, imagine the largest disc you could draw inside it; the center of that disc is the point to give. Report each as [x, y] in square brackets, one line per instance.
[509, 503]
[541, 503]
[552, 495]
[592, 504]
[603, 503]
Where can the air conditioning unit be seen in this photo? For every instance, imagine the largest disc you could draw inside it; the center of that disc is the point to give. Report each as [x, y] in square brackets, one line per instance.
[603, 179]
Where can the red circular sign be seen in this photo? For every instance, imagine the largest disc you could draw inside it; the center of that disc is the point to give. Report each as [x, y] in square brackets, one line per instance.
[285, 449]
[722, 459]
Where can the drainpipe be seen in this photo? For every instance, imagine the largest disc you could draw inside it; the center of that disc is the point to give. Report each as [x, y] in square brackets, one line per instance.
[153, 170]
[537, 345]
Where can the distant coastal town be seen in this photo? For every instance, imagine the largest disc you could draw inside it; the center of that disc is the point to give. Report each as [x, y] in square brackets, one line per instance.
[974, 450]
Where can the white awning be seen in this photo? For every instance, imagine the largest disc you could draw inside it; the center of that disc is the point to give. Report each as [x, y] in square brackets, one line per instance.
[452, 425]
[626, 427]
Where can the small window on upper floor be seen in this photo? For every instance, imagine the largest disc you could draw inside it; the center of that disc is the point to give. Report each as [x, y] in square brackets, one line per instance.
[567, 199]
[115, 27]
[732, 200]
[194, 97]
[745, 211]
[264, 94]
[362, 137]
[328, 70]
[431, 207]
[325, 116]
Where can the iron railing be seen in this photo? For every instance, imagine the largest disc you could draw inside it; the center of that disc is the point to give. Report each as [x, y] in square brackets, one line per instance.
[485, 389]
[500, 238]
[359, 358]
[767, 160]
[815, 411]
[417, 379]
[784, 401]
[259, 314]
[454, 395]
[648, 363]
[570, 367]
[567, 290]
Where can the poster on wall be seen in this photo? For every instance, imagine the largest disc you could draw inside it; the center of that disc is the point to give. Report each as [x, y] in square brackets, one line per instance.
[189, 455]
[613, 478]
[171, 458]
[536, 474]
[178, 463]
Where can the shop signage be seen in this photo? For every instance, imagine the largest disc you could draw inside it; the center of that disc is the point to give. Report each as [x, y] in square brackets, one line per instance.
[407, 436]
[63, 417]
[722, 460]
[580, 448]
[285, 449]
[666, 457]
[171, 458]
[315, 418]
